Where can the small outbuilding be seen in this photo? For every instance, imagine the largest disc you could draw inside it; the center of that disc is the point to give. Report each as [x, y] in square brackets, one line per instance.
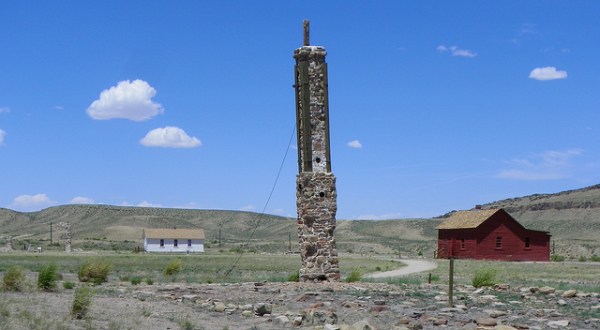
[173, 240]
[490, 234]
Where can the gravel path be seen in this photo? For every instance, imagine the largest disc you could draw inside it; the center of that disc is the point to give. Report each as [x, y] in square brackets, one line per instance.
[412, 266]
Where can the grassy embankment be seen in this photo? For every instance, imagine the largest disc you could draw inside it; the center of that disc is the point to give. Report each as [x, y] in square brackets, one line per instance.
[196, 268]
[584, 276]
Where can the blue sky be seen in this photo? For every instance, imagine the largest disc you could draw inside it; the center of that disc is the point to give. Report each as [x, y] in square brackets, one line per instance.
[434, 105]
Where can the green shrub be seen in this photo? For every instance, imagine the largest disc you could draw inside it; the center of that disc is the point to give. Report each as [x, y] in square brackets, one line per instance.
[81, 302]
[14, 279]
[354, 276]
[484, 277]
[149, 280]
[186, 324]
[582, 259]
[595, 258]
[47, 277]
[136, 280]
[294, 277]
[68, 285]
[95, 272]
[236, 249]
[557, 258]
[173, 267]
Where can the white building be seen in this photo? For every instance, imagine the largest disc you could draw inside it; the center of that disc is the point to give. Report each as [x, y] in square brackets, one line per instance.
[173, 240]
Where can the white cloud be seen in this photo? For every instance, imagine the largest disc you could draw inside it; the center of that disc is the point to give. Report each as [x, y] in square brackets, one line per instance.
[4, 109]
[128, 100]
[248, 208]
[82, 200]
[28, 203]
[549, 165]
[148, 204]
[354, 144]
[170, 137]
[2, 135]
[455, 51]
[547, 73]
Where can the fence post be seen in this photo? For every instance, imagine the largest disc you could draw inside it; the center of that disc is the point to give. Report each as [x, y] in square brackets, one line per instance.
[451, 282]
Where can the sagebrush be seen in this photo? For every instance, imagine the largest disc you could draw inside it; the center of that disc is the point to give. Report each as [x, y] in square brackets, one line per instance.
[47, 277]
[484, 277]
[173, 268]
[95, 272]
[354, 276]
[14, 279]
[81, 302]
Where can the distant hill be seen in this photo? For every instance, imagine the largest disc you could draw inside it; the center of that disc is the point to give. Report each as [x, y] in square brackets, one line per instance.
[572, 218]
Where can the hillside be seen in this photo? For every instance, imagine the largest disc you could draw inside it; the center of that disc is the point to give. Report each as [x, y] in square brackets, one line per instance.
[572, 217]
[109, 226]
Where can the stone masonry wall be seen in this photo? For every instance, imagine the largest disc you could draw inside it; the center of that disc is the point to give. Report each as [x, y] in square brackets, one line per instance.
[316, 202]
[316, 195]
[64, 228]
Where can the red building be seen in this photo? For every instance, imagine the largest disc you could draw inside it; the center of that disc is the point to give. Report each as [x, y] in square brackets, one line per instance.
[490, 234]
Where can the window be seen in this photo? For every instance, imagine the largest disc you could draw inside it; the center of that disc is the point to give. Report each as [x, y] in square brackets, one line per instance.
[498, 242]
[527, 243]
[462, 244]
[175, 243]
[162, 243]
[189, 243]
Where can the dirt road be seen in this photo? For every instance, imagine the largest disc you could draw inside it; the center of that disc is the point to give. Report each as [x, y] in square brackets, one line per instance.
[412, 266]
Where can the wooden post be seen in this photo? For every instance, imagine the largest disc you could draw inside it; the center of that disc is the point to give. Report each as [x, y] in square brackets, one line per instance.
[451, 282]
[306, 32]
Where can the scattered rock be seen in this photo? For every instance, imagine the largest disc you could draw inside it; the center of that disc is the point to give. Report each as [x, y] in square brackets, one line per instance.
[494, 313]
[570, 293]
[281, 321]
[558, 324]
[262, 309]
[440, 321]
[547, 290]
[502, 287]
[297, 321]
[219, 307]
[505, 327]
[486, 321]
[379, 309]
[363, 324]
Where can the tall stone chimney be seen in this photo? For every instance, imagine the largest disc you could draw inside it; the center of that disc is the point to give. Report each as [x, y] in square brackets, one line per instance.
[316, 197]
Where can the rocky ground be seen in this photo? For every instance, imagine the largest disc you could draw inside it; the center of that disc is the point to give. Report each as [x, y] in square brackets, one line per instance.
[356, 305]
